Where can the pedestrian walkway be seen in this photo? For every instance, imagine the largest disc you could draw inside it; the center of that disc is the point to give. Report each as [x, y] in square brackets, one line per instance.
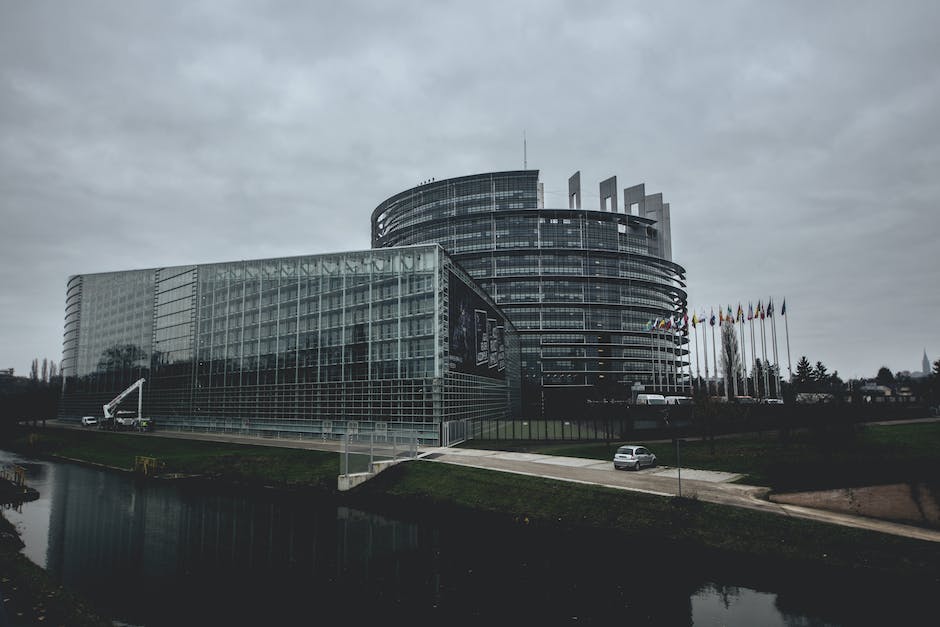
[705, 485]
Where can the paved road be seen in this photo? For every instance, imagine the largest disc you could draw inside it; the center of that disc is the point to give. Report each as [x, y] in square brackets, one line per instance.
[713, 487]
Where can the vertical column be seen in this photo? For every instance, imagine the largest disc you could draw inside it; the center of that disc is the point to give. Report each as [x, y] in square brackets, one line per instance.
[608, 191]
[574, 191]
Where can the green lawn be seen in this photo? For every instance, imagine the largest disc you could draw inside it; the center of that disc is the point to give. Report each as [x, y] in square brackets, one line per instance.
[533, 501]
[263, 465]
[806, 460]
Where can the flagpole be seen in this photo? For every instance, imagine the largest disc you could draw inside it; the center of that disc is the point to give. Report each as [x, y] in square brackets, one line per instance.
[773, 330]
[739, 317]
[705, 356]
[754, 360]
[676, 338]
[653, 355]
[695, 335]
[763, 341]
[786, 326]
[711, 321]
[724, 371]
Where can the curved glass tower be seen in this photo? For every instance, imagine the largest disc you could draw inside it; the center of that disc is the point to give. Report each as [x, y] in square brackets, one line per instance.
[580, 285]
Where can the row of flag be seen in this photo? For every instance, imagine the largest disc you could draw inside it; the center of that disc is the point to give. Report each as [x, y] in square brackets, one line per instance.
[676, 323]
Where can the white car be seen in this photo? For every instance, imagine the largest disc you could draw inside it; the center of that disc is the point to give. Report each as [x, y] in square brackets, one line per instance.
[634, 457]
[89, 421]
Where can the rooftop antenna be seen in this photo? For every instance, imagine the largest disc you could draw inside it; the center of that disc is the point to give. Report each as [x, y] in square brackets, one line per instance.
[525, 155]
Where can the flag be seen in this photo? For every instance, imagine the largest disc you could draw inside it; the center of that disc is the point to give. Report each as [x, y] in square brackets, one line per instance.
[750, 311]
[668, 325]
[694, 320]
[648, 326]
[730, 316]
[783, 309]
[740, 313]
[770, 307]
[721, 316]
[712, 321]
[685, 320]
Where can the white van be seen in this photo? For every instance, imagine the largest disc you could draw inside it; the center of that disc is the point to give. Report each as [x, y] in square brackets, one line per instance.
[650, 399]
[678, 400]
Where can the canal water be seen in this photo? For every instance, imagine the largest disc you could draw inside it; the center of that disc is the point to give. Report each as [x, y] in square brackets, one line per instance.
[165, 553]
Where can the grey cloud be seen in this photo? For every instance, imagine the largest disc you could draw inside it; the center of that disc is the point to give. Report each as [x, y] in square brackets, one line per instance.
[796, 142]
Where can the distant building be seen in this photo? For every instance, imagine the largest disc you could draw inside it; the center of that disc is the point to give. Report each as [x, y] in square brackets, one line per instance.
[378, 341]
[581, 284]
[6, 372]
[926, 364]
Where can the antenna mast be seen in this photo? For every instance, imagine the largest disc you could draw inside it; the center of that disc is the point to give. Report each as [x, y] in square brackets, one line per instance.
[525, 160]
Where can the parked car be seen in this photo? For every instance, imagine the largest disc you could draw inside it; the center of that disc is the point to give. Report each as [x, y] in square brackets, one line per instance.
[650, 399]
[773, 401]
[632, 456]
[89, 421]
[678, 400]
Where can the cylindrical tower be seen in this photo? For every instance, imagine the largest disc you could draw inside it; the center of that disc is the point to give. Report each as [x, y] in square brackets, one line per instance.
[580, 285]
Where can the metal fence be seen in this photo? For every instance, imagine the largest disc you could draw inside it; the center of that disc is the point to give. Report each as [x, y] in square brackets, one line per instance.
[361, 453]
[638, 421]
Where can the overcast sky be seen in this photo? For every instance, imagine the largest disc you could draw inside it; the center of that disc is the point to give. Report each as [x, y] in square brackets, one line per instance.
[798, 143]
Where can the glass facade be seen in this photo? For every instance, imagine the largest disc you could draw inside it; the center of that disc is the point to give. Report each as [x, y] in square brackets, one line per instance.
[580, 285]
[314, 346]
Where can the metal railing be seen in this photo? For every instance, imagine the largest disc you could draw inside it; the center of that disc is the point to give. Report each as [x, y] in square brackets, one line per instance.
[360, 453]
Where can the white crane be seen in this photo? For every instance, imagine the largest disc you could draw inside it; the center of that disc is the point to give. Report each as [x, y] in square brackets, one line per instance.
[109, 408]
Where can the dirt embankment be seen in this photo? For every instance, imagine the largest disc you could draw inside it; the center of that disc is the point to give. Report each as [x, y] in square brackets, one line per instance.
[915, 503]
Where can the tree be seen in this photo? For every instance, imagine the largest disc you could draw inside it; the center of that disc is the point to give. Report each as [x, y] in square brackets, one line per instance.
[836, 381]
[34, 370]
[820, 373]
[759, 378]
[885, 377]
[804, 373]
[730, 355]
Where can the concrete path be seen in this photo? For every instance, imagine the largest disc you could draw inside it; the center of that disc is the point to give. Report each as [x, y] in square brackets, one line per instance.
[706, 485]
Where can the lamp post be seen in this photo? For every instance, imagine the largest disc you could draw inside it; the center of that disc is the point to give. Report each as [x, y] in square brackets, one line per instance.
[675, 439]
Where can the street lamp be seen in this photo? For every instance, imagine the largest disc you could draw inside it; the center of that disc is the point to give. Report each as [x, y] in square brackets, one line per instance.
[676, 440]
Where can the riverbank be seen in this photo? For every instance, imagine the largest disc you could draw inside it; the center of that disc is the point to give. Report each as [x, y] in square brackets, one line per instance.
[30, 596]
[439, 488]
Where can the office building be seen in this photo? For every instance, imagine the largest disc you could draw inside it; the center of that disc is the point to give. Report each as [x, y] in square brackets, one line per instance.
[579, 283]
[378, 341]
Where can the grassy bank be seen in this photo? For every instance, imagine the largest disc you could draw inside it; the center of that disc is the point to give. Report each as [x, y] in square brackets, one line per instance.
[806, 460]
[253, 465]
[758, 537]
[30, 595]
[436, 489]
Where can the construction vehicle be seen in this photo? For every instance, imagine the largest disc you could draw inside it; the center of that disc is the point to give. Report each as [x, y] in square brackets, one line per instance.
[124, 419]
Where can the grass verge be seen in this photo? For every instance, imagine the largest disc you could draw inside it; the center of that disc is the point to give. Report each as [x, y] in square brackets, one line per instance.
[761, 537]
[235, 463]
[806, 460]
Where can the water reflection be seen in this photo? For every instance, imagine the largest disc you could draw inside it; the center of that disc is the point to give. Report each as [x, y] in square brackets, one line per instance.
[157, 553]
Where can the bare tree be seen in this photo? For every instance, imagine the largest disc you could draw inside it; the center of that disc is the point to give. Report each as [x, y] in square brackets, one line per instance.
[34, 370]
[730, 355]
[44, 376]
[53, 370]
